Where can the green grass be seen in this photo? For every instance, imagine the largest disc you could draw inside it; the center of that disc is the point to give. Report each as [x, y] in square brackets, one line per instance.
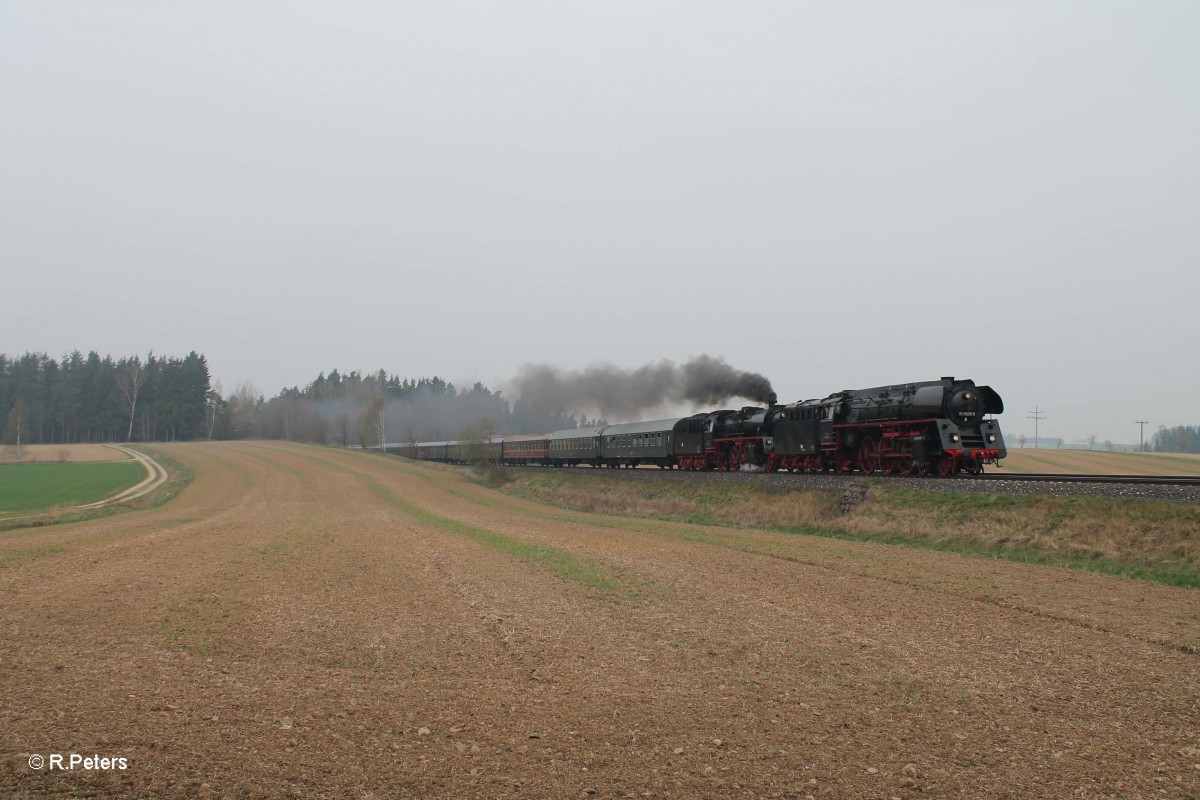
[28, 488]
[1146, 540]
[552, 559]
[179, 475]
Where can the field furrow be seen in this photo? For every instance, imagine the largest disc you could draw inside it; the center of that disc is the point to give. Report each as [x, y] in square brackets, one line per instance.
[310, 622]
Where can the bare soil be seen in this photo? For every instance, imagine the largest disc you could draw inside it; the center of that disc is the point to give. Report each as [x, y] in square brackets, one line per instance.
[308, 622]
[38, 453]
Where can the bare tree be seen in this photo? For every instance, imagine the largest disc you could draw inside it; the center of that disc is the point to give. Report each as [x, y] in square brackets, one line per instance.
[1091, 440]
[365, 426]
[1021, 441]
[343, 429]
[212, 405]
[476, 441]
[16, 429]
[243, 408]
[374, 422]
[129, 382]
[478, 447]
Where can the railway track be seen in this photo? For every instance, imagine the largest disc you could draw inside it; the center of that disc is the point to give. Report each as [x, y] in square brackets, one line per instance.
[1174, 488]
[1144, 480]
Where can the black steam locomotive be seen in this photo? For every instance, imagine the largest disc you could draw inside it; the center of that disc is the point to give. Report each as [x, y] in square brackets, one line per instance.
[936, 427]
[932, 427]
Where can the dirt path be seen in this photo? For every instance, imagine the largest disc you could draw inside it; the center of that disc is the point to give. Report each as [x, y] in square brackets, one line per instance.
[156, 476]
[317, 623]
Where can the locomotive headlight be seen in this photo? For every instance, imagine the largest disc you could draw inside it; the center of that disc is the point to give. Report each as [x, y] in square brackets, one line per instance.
[954, 437]
[991, 437]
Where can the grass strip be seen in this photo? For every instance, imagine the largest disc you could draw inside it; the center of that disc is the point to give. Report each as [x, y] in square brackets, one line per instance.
[1136, 539]
[556, 561]
[552, 559]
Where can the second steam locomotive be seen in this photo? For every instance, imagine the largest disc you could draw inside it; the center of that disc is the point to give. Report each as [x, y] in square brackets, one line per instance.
[932, 428]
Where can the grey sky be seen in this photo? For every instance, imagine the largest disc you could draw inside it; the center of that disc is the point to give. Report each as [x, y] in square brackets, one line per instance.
[835, 195]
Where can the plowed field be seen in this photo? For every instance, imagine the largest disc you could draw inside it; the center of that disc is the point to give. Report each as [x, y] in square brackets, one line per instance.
[64, 452]
[307, 622]
[1098, 462]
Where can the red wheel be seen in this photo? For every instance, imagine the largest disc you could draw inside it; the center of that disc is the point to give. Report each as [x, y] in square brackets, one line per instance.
[945, 466]
[868, 456]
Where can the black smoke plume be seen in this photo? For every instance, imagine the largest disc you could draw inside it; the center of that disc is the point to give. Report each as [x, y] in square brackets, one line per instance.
[621, 393]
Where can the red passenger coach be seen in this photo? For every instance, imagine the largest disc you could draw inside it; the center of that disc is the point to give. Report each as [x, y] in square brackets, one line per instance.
[532, 449]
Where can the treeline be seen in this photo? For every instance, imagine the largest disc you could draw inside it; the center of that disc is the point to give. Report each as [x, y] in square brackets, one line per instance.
[100, 399]
[1180, 439]
[356, 409]
[92, 398]
[96, 398]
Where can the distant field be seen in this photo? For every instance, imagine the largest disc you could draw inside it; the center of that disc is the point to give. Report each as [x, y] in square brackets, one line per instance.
[41, 453]
[1098, 462]
[26, 488]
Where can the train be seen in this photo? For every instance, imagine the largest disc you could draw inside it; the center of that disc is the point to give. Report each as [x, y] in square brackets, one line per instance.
[937, 428]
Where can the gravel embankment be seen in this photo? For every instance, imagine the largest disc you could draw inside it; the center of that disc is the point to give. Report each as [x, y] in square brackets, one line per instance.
[788, 482]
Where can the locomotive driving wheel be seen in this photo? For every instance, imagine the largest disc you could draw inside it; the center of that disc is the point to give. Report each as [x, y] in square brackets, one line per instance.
[868, 455]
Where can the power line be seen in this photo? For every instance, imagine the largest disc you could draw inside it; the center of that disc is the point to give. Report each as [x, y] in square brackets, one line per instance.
[1141, 423]
[1035, 415]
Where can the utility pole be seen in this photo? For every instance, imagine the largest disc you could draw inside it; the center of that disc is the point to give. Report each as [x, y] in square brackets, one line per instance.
[1035, 415]
[1141, 423]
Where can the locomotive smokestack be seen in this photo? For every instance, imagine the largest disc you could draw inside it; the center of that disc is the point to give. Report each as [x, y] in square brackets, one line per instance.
[618, 392]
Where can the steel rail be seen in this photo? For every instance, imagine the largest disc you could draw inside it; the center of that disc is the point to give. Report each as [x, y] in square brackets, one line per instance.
[1147, 480]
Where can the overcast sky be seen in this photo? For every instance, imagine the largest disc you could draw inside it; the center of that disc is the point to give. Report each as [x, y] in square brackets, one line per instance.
[834, 194]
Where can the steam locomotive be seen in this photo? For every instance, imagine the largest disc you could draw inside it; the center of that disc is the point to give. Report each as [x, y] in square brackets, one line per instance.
[930, 428]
